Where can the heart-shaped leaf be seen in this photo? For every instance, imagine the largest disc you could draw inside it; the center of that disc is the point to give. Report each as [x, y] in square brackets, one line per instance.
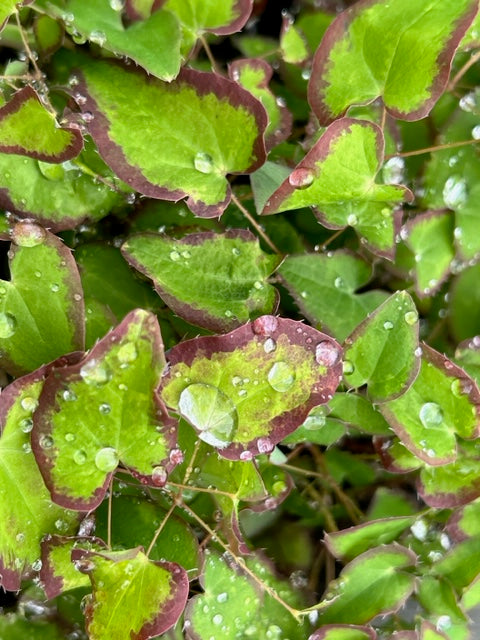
[221, 18]
[344, 632]
[377, 48]
[293, 44]
[323, 286]
[26, 511]
[132, 596]
[230, 270]
[27, 128]
[229, 138]
[83, 426]
[337, 176]
[43, 274]
[381, 351]
[286, 366]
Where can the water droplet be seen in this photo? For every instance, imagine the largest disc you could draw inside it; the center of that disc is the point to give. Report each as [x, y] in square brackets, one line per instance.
[20, 537]
[203, 162]
[237, 381]
[79, 457]
[443, 623]
[79, 99]
[352, 219]
[431, 415]
[69, 437]
[117, 5]
[468, 102]
[348, 367]
[301, 178]
[338, 282]
[418, 352]
[258, 285]
[217, 619]
[95, 374]
[26, 447]
[476, 132]
[61, 525]
[69, 396]
[98, 37]
[54, 288]
[236, 252]
[265, 325]
[388, 326]
[88, 116]
[105, 408]
[222, 597]
[246, 455]
[28, 234]
[37, 565]
[455, 192]
[269, 345]
[46, 442]
[8, 325]
[106, 459]
[281, 376]
[265, 445]
[175, 256]
[393, 170]
[26, 425]
[457, 388]
[159, 476]
[326, 353]
[210, 411]
[316, 419]
[29, 404]
[411, 317]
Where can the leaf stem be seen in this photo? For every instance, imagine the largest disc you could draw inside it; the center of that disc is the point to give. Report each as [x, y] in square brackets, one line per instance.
[159, 530]
[333, 237]
[201, 489]
[463, 70]
[209, 53]
[255, 224]
[438, 147]
[109, 515]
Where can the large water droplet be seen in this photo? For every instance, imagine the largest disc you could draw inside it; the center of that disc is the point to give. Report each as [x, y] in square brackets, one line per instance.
[203, 162]
[455, 192]
[316, 419]
[106, 459]
[117, 5]
[269, 345]
[326, 353]
[79, 457]
[8, 325]
[281, 376]
[411, 317]
[95, 374]
[29, 404]
[265, 445]
[431, 415]
[46, 441]
[301, 178]
[210, 411]
[105, 408]
[28, 234]
[159, 476]
[265, 325]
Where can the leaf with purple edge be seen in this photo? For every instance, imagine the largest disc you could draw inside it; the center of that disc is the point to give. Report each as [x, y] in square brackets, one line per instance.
[200, 16]
[437, 596]
[467, 356]
[43, 274]
[230, 285]
[464, 522]
[429, 631]
[285, 365]
[344, 632]
[9, 7]
[132, 596]
[377, 48]
[337, 176]
[27, 128]
[83, 426]
[228, 140]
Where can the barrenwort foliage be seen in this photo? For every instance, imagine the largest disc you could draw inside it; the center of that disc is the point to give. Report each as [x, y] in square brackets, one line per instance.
[239, 319]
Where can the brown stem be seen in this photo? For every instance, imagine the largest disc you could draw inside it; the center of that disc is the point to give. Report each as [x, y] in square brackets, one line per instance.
[438, 147]
[461, 72]
[209, 53]
[255, 224]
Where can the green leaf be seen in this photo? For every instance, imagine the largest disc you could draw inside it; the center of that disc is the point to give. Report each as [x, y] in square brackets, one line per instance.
[343, 632]
[429, 632]
[48, 34]
[471, 595]
[285, 366]
[356, 411]
[338, 177]
[227, 139]
[266, 180]
[439, 600]
[293, 45]
[349, 543]
[221, 18]
[323, 286]
[132, 596]
[461, 565]
[83, 426]
[374, 583]
[8, 7]
[430, 237]
[443, 402]
[140, 9]
[465, 521]
[317, 428]
[395, 456]
[26, 511]
[254, 75]
[231, 270]
[43, 275]
[377, 48]
[464, 304]
[381, 350]
[14, 627]
[27, 128]
[467, 355]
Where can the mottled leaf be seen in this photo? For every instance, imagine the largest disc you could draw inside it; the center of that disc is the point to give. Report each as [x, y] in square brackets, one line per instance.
[230, 284]
[377, 48]
[43, 275]
[228, 138]
[287, 367]
[337, 176]
[344, 632]
[83, 426]
[26, 511]
[443, 402]
[29, 129]
[323, 286]
[132, 596]
[373, 583]
[381, 350]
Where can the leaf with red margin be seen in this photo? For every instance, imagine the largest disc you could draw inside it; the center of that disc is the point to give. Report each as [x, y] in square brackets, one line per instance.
[464, 522]
[377, 48]
[182, 157]
[254, 74]
[220, 18]
[337, 176]
[26, 511]
[83, 425]
[243, 392]
[344, 632]
[132, 596]
[141, 9]
[8, 7]
[28, 129]
[429, 631]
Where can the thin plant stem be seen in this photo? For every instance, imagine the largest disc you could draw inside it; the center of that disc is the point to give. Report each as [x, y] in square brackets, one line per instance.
[189, 469]
[109, 515]
[438, 147]
[461, 72]
[255, 224]
[383, 118]
[331, 239]
[216, 492]
[209, 53]
[159, 530]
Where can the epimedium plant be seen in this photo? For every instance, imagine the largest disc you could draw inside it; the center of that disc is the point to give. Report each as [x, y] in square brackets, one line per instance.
[239, 318]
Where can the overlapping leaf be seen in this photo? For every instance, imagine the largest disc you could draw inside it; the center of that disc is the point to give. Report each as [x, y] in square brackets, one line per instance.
[183, 157]
[8, 7]
[377, 48]
[230, 271]
[199, 16]
[344, 632]
[337, 176]
[43, 275]
[83, 426]
[245, 391]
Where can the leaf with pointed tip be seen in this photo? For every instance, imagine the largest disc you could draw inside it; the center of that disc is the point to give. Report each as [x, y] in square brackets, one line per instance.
[464, 304]
[428, 631]
[381, 350]
[395, 457]
[293, 45]
[83, 425]
[254, 74]
[430, 237]
[323, 286]
[228, 138]
[374, 583]
[43, 275]
[132, 596]
[439, 600]
[344, 632]
[28, 129]
[442, 403]
[356, 411]
[230, 285]
[337, 176]
[152, 43]
[377, 48]
[26, 511]
[287, 367]
[461, 565]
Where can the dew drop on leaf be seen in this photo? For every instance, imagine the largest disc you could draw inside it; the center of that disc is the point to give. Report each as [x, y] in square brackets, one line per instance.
[79, 457]
[348, 367]
[222, 597]
[246, 455]
[316, 419]
[175, 256]
[269, 345]
[69, 437]
[159, 476]
[326, 353]
[106, 459]
[8, 325]
[281, 376]
[26, 425]
[388, 326]
[455, 192]
[29, 404]
[46, 442]
[98, 37]
[104, 408]
[95, 374]
[444, 623]
[411, 317]
[69, 396]
[203, 162]
[37, 565]
[456, 388]
[117, 5]
[301, 178]
[28, 234]
[265, 325]
[265, 445]
[217, 619]
[431, 415]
